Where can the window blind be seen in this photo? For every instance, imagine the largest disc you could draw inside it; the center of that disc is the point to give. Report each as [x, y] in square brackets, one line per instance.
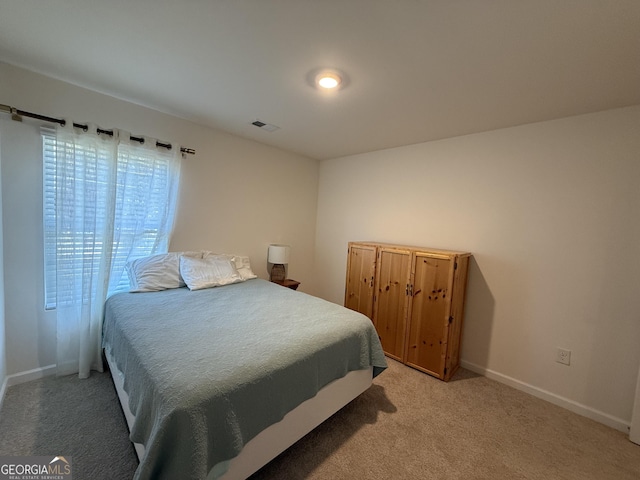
[141, 215]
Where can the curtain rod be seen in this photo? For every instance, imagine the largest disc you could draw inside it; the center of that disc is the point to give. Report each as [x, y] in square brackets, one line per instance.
[17, 114]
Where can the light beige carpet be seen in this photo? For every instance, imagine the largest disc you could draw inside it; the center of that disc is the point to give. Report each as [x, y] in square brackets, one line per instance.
[66, 416]
[406, 426]
[412, 426]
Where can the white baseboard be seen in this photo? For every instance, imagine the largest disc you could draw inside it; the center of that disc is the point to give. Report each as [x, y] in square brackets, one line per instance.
[580, 409]
[2, 390]
[23, 377]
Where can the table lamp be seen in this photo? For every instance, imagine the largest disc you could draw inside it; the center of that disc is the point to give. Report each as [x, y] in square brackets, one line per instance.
[279, 257]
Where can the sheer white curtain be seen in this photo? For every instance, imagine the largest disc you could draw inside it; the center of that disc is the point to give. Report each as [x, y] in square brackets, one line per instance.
[114, 200]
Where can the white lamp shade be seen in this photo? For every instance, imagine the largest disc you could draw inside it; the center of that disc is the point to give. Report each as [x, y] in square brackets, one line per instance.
[278, 254]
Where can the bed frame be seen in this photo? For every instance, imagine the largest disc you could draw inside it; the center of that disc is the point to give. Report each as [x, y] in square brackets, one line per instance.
[275, 439]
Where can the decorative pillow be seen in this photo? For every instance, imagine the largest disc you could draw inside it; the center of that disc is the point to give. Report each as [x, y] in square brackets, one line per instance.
[157, 272]
[213, 271]
[242, 263]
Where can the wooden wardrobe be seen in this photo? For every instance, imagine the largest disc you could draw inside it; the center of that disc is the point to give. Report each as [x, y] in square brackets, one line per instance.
[415, 298]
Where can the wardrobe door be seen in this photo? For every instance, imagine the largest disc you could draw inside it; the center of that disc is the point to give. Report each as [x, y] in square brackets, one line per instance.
[361, 265]
[430, 312]
[391, 299]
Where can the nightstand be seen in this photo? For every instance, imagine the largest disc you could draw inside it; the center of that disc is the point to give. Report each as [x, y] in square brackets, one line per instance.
[289, 283]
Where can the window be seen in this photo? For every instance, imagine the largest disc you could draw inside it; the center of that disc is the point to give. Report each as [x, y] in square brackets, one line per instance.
[104, 203]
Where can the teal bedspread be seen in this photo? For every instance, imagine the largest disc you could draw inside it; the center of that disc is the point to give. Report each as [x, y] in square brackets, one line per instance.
[207, 370]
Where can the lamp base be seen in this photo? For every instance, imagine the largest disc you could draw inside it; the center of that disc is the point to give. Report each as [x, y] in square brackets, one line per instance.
[277, 273]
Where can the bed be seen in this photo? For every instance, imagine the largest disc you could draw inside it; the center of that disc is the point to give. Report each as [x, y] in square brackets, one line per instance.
[217, 382]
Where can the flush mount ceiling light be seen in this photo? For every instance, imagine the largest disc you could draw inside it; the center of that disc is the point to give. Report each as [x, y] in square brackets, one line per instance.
[328, 80]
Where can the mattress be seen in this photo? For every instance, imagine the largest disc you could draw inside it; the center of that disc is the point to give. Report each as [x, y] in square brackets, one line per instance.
[206, 371]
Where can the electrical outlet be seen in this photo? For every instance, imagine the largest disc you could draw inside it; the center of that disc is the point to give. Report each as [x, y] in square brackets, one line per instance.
[563, 356]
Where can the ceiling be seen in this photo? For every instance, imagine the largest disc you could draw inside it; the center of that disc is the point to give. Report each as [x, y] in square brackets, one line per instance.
[416, 70]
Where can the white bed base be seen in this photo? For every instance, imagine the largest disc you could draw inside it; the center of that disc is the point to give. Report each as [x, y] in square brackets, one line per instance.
[275, 439]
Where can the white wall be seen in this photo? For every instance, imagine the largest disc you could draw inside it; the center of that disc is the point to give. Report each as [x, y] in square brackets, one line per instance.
[550, 213]
[243, 196]
[236, 196]
[29, 330]
[3, 348]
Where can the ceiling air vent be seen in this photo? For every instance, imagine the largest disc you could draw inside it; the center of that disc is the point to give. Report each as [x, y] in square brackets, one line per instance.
[265, 126]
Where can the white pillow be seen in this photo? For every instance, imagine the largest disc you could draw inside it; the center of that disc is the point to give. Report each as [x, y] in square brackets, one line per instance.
[156, 272]
[213, 271]
[242, 263]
